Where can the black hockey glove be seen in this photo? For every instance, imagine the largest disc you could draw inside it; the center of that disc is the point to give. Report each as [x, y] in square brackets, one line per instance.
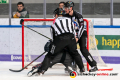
[21, 21]
[47, 46]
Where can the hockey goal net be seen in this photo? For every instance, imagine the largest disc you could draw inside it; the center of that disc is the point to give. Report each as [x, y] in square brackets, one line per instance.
[33, 43]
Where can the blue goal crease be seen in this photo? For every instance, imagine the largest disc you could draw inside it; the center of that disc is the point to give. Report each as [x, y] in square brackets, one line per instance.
[46, 26]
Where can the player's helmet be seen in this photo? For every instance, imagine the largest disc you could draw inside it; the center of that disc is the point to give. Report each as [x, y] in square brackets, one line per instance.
[69, 4]
[59, 11]
[55, 11]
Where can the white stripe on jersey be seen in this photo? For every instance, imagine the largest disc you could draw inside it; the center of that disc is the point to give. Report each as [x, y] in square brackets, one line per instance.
[69, 24]
[56, 29]
[63, 25]
[51, 31]
[81, 30]
[59, 24]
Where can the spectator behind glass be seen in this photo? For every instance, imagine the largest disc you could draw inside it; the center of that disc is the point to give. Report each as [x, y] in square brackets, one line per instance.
[61, 4]
[21, 11]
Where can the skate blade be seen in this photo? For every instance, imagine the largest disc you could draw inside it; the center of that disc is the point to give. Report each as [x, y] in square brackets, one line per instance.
[70, 68]
[29, 74]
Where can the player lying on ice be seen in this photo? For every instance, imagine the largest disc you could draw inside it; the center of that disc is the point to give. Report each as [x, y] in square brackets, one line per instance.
[62, 57]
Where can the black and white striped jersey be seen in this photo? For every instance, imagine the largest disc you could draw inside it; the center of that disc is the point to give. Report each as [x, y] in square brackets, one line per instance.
[62, 25]
[77, 17]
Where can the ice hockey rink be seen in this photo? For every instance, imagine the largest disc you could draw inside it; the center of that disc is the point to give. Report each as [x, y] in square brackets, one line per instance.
[17, 41]
[52, 74]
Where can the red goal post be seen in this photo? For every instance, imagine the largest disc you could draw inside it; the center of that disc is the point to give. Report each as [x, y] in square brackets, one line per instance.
[23, 34]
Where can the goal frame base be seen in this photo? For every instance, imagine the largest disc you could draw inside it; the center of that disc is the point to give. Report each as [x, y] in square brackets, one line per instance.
[87, 28]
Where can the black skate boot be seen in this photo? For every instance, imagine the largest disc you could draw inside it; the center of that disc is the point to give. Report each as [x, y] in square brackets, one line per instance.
[93, 69]
[36, 66]
[35, 70]
[31, 73]
[82, 70]
[70, 69]
[67, 70]
[74, 67]
[36, 73]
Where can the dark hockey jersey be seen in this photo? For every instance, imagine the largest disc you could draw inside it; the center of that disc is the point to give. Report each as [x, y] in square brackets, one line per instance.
[77, 18]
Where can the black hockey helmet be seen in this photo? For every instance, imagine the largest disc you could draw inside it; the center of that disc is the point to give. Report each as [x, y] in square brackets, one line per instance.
[59, 11]
[69, 4]
[55, 11]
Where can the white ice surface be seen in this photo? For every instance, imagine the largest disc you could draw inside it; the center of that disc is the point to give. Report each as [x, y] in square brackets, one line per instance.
[51, 74]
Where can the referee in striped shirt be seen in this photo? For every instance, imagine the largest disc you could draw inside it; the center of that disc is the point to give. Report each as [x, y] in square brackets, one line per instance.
[63, 35]
[77, 18]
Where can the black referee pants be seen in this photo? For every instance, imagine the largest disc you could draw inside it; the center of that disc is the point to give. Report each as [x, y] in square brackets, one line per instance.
[59, 43]
[84, 51]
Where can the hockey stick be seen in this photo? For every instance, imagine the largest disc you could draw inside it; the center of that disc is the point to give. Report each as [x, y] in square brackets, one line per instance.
[36, 32]
[21, 22]
[27, 65]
